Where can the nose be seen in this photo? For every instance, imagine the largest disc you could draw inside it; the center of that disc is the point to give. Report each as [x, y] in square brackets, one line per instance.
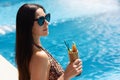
[46, 22]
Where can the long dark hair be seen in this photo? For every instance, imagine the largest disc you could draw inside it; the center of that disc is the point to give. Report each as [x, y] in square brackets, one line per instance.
[24, 39]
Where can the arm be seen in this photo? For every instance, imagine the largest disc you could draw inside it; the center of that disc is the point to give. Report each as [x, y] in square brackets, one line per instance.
[72, 70]
[39, 66]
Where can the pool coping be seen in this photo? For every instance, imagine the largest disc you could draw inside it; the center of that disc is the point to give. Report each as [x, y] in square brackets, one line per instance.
[7, 70]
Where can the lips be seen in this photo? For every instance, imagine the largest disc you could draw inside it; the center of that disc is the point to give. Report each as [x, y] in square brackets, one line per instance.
[45, 29]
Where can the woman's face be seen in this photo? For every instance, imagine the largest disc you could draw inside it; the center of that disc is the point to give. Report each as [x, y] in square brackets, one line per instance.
[37, 29]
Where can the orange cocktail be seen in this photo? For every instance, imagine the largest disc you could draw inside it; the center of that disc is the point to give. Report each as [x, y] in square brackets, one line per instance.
[73, 53]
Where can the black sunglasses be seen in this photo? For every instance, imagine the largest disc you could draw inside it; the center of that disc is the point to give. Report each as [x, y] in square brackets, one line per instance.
[41, 19]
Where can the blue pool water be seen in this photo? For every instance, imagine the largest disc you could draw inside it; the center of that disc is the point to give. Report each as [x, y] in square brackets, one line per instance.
[94, 26]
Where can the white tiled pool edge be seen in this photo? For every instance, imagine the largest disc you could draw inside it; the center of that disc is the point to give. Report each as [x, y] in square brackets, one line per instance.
[7, 70]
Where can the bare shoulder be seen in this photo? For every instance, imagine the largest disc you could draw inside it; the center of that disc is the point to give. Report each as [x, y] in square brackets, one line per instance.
[40, 56]
[39, 66]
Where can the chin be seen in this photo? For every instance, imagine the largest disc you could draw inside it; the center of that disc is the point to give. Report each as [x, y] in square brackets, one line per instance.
[45, 34]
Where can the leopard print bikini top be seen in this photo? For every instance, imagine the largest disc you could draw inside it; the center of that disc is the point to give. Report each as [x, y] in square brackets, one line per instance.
[55, 69]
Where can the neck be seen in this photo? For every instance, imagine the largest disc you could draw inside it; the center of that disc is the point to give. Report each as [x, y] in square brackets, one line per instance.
[37, 40]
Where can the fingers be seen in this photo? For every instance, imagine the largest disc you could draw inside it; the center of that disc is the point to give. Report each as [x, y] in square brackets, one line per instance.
[78, 70]
[77, 62]
[74, 68]
[77, 66]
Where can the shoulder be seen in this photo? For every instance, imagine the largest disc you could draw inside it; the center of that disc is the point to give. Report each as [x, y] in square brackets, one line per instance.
[40, 56]
[39, 61]
[39, 66]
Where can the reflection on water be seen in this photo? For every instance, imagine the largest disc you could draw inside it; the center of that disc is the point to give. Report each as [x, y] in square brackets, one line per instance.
[98, 45]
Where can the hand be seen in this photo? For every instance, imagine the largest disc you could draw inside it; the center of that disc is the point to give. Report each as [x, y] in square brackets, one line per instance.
[73, 69]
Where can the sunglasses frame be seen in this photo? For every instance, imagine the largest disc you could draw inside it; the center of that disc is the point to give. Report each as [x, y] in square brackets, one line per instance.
[43, 17]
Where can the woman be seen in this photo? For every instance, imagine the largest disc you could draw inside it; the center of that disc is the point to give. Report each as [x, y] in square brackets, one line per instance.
[34, 62]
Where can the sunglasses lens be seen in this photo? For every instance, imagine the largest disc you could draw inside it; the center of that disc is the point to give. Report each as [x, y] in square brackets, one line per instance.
[47, 17]
[41, 21]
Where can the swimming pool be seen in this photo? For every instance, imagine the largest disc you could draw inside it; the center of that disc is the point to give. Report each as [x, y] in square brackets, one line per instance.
[94, 26]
